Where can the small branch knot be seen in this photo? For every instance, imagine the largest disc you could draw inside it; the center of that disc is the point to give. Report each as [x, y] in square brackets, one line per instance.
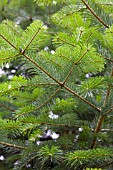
[21, 51]
[62, 84]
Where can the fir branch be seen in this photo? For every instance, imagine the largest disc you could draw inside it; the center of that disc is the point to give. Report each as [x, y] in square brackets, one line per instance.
[12, 145]
[81, 98]
[101, 119]
[71, 70]
[53, 73]
[29, 160]
[8, 108]
[4, 59]
[41, 84]
[10, 127]
[105, 3]
[18, 33]
[109, 111]
[106, 130]
[56, 63]
[43, 104]
[56, 124]
[31, 40]
[89, 37]
[8, 41]
[52, 61]
[60, 83]
[98, 127]
[38, 66]
[107, 95]
[49, 98]
[108, 91]
[72, 13]
[69, 15]
[69, 59]
[95, 15]
[66, 42]
[109, 59]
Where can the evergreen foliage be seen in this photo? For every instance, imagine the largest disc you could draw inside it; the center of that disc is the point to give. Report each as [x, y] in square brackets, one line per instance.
[69, 92]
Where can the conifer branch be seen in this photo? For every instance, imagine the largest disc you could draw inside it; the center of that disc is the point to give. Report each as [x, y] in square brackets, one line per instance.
[43, 104]
[106, 130]
[31, 40]
[8, 108]
[108, 90]
[98, 127]
[29, 160]
[61, 83]
[101, 119]
[3, 59]
[109, 59]
[71, 70]
[95, 15]
[69, 59]
[66, 42]
[56, 91]
[38, 66]
[56, 63]
[81, 98]
[8, 41]
[107, 164]
[89, 37]
[47, 78]
[41, 84]
[12, 145]
[54, 124]
[70, 14]
[107, 95]
[18, 33]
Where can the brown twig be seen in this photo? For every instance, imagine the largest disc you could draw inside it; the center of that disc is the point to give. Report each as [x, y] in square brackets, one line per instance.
[8, 108]
[101, 119]
[8, 41]
[31, 40]
[81, 98]
[109, 59]
[6, 58]
[12, 145]
[108, 91]
[96, 16]
[98, 127]
[38, 66]
[71, 70]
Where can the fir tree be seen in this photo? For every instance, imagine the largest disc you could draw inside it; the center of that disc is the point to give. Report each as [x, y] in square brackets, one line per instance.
[60, 117]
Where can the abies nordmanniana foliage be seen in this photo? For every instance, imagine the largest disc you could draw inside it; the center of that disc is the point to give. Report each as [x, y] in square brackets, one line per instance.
[61, 117]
